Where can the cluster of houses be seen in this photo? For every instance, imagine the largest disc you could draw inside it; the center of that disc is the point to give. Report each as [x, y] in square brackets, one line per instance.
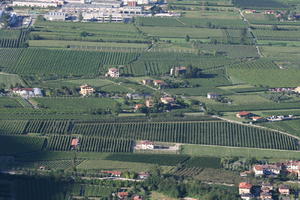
[27, 92]
[275, 169]
[145, 145]
[177, 71]
[280, 15]
[149, 145]
[141, 175]
[265, 191]
[149, 103]
[256, 118]
[157, 83]
[296, 90]
[94, 10]
[125, 195]
[113, 73]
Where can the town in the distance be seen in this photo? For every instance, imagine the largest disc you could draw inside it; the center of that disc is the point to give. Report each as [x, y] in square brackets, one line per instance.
[149, 100]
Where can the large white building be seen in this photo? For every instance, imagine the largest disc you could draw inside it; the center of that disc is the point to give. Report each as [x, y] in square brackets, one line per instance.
[115, 4]
[103, 16]
[35, 3]
[139, 2]
[105, 9]
[55, 16]
[28, 92]
[75, 1]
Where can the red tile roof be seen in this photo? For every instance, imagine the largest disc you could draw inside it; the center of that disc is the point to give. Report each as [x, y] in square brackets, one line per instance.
[116, 173]
[113, 69]
[245, 185]
[22, 89]
[147, 142]
[244, 113]
[122, 194]
[258, 167]
[75, 142]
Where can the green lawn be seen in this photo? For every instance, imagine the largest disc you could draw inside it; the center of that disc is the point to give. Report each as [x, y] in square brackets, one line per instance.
[75, 104]
[266, 77]
[250, 101]
[97, 32]
[290, 126]
[178, 32]
[217, 151]
[99, 45]
[114, 165]
[7, 102]
[10, 80]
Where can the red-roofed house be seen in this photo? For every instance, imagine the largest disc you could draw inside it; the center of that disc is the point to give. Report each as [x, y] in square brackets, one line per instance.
[86, 90]
[145, 144]
[138, 106]
[74, 142]
[144, 175]
[137, 197]
[113, 173]
[257, 118]
[113, 72]
[167, 100]
[122, 195]
[245, 188]
[284, 190]
[243, 114]
[159, 83]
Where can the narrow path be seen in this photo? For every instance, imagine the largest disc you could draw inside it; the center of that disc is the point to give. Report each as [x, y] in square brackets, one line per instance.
[256, 126]
[180, 22]
[250, 30]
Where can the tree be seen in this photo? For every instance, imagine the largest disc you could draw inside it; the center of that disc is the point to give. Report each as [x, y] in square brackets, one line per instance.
[187, 38]
[5, 20]
[80, 17]
[40, 18]
[84, 34]
[192, 72]
[275, 28]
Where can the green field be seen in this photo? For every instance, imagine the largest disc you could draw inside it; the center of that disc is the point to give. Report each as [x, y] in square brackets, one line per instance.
[260, 4]
[10, 145]
[9, 80]
[177, 32]
[197, 150]
[75, 105]
[263, 73]
[12, 38]
[206, 132]
[66, 62]
[85, 44]
[97, 32]
[249, 102]
[290, 126]
[7, 102]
